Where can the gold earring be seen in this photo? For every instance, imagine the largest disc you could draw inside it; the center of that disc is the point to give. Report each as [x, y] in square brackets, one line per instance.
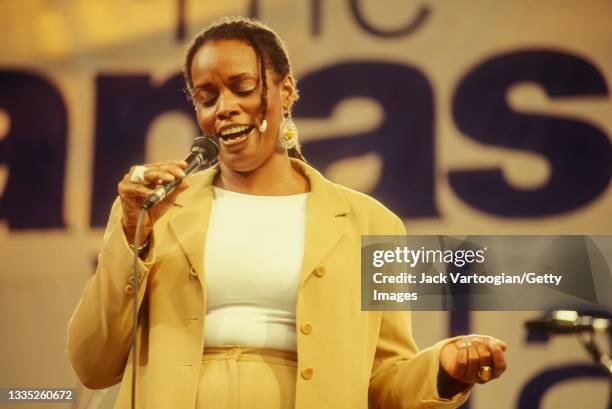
[288, 133]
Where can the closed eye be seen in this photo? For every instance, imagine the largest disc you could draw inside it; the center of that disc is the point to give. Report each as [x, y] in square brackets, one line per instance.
[210, 101]
[245, 93]
[206, 97]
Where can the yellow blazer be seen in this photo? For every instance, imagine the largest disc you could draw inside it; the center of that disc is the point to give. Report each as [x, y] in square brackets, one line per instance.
[357, 359]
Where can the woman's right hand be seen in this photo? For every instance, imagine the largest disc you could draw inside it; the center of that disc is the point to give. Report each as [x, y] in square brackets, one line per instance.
[132, 194]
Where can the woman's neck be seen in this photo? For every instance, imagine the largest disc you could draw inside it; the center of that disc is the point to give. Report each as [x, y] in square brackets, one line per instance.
[275, 177]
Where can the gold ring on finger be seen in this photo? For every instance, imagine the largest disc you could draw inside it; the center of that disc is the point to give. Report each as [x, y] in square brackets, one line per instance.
[485, 373]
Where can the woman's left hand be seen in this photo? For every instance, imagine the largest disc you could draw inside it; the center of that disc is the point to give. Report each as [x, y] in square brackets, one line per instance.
[474, 359]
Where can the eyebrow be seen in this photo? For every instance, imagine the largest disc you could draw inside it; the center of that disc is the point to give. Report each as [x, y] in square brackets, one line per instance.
[232, 78]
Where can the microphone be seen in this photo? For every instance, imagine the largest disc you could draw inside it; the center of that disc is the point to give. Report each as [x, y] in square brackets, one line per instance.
[569, 322]
[204, 152]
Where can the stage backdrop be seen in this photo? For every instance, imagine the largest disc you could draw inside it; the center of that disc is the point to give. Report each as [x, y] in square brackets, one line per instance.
[467, 116]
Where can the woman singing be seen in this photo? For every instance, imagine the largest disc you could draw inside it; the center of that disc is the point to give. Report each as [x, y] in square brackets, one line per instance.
[249, 277]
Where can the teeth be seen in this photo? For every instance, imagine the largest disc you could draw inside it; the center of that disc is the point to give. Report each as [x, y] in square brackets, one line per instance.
[234, 129]
[236, 138]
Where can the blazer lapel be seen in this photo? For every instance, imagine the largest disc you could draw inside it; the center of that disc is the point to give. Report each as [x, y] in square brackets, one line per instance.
[323, 232]
[325, 224]
[190, 225]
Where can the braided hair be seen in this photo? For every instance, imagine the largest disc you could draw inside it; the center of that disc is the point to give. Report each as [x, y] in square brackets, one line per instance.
[269, 48]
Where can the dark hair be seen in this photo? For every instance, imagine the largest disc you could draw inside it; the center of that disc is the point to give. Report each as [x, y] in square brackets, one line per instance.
[269, 48]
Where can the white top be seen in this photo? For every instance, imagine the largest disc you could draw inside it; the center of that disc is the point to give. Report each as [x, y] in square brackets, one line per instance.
[252, 262]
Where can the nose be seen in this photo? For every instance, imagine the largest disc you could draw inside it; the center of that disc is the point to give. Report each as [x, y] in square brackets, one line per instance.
[226, 106]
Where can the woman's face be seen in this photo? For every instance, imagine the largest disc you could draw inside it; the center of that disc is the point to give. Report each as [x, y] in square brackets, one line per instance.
[227, 93]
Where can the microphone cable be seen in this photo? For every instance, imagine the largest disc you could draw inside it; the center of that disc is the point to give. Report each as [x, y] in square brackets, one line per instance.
[136, 286]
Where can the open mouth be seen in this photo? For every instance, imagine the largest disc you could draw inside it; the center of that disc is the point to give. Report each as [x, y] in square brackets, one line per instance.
[235, 134]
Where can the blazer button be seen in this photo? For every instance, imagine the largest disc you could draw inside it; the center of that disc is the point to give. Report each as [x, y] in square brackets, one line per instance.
[307, 373]
[133, 279]
[306, 329]
[320, 271]
[128, 289]
[193, 272]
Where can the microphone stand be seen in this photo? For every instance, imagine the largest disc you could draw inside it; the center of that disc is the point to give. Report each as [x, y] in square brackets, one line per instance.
[204, 152]
[136, 285]
[584, 326]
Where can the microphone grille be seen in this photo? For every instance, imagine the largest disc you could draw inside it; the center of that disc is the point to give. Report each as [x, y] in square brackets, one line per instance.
[206, 145]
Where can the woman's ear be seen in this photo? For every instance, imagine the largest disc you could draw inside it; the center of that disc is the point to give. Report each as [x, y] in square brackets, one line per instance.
[288, 92]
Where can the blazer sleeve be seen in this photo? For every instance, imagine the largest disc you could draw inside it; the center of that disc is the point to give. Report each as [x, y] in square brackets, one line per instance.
[99, 331]
[402, 376]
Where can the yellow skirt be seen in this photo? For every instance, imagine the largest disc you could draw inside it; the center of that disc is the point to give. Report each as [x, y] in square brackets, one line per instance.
[235, 377]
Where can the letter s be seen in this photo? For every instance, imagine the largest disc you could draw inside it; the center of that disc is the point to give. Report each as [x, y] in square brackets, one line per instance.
[578, 152]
